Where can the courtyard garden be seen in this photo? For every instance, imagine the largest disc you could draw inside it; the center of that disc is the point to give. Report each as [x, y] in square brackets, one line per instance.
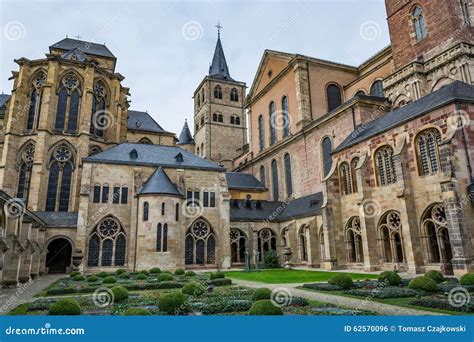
[154, 292]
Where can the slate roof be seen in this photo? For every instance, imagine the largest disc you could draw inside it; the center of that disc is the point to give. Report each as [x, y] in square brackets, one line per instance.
[153, 155]
[159, 183]
[273, 211]
[58, 219]
[185, 137]
[3, 99]
[447, 94]
[142, 121]
[218, 67]
[87, 47]
[78, 53]
[243, 181]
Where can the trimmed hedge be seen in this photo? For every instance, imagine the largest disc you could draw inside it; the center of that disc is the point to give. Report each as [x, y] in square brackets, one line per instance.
[265, 308]
[221, 282]
[92, 279]
[137, 312]
[120, 293]
[389, 277]
[66, 306]
[173, 303]
[217, 275]
[120, 271]
[103, 274]
[79, 277]
[143, 272]
[193, 289]
[298, 301]
[342, 280]
[261, 293]
[141, 276]
[441, 303]
[190, 274]
[155, 270]
[130, 287]
[179, 271]
[73, 274]
[423, 283]
[467, 279]
[165, 277]
[109, 280]
[437, 276]
[125, 275]
[323, 287]
[385, 292]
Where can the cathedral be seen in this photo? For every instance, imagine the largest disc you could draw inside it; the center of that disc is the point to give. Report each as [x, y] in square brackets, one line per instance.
[366, 167]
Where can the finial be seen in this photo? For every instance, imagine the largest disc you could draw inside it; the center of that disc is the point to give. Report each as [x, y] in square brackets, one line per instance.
[78, 37]
[218, 26]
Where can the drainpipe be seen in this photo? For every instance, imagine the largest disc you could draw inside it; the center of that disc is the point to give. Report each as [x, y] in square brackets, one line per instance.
[466, 149]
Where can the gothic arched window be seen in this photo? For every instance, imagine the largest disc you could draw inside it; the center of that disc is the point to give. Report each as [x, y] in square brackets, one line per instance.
[275, 180]
[288, 177]
[377, 89]
[36, 97]
[24, 174]
[238, 242]
[435, 233]
[354, 163]
[214, 117]
[234, 95]
[285, 116]
[107, 244]
[162, 237]
[98, 115]
[232, 120]
[266, 242]
[327, 158]
[146, 209]
[261, 133]
[271, 116]
[218, 92]
[220, 118]
[427, 143]
[345, 178]
[353, 239]
[465, 12]
[60, 177]
[385, 166]
[199, 244]
[419, 23]
[334, 97]
[68, 104]
[390, 238]
[262, 175]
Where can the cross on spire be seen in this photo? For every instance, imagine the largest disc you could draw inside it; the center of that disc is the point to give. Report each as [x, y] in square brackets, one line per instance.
[218, 26]
[78, 37]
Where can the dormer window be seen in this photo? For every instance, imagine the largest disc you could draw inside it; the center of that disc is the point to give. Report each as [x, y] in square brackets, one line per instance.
[179, 158]
[133, 154]
[258, 205]
[138, 124]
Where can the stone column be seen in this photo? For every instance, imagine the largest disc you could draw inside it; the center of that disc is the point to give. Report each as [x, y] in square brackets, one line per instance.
[12, 257]
[303, 95]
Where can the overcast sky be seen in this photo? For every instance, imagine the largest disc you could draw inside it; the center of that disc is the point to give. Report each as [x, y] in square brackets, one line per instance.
[164, 47]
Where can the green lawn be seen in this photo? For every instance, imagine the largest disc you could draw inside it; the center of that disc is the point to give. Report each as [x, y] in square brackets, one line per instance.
[283, 276]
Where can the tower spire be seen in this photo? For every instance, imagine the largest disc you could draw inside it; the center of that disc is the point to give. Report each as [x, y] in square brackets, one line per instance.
[218, 67]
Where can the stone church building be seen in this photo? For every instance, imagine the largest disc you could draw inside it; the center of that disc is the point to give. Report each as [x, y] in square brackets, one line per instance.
[363, 167]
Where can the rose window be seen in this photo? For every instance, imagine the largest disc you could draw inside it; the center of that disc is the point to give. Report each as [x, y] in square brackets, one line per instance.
[394, 220]
[70, 81]
[439, 214]
[108, 227]
[62, 154]
[200, 229]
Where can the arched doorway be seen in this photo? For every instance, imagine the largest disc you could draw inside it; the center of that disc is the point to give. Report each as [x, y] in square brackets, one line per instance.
[59, 255]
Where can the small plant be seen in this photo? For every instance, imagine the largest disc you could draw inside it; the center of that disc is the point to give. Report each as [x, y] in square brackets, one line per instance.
[467, 279]
[73, 274]
[125, 275]
[172, 303]
[193, 289]
[155, 270]
[437, 276]
[137, 312]
[145, 272]
[141, 276]
[179, 271]
[217, 275]
[79, 277]
[109, 280]
[221, 282]
[265, 308]
[423, 283]
[92, 279]
[390, 278]
[103, 274]
[120, 293]
[261, 293]
[120, 271]
[190, 274]
[165, 277]
[271, 260]
[65, 307]
[342, 280]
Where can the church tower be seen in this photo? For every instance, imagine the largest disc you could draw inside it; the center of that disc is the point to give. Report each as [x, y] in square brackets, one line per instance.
[219, 115]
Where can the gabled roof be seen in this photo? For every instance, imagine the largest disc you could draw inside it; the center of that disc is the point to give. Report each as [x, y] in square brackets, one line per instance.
[159, 183]
[87, 47]
[142, 121]
[243, 181]
[185, 137]
[74, 54]
[4, 98]
[153, 155]
[447, 94]
[218, 67]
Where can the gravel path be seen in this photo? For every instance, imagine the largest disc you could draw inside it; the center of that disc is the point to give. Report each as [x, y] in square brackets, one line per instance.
[361, 304]
[10, 298]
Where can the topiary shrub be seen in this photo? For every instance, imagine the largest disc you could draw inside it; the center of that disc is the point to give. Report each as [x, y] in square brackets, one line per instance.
[423, 283]
[137, 312]
[265, 308]
[437, 276]
[172, 303]
[66, 306]
[155, 270]
[120, 271]
[261, 293]
[221, 282]
[125, 275]
[109, 280]
[271, 260]
[179, 271]
[193, 289]
[342, 280]
[165, 277]
[467, 279]
[390, 278]
[143, 272]
[73, 274]
[217, 275]
[79, 277]
[103, 274]
[120, 293]
[141, 276]
[167, 285]
[190, 274]
[92, 279]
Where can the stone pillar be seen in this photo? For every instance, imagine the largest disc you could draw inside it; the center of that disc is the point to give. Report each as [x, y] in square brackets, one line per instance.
[25, 239]
[12, 257]
[303, 95]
